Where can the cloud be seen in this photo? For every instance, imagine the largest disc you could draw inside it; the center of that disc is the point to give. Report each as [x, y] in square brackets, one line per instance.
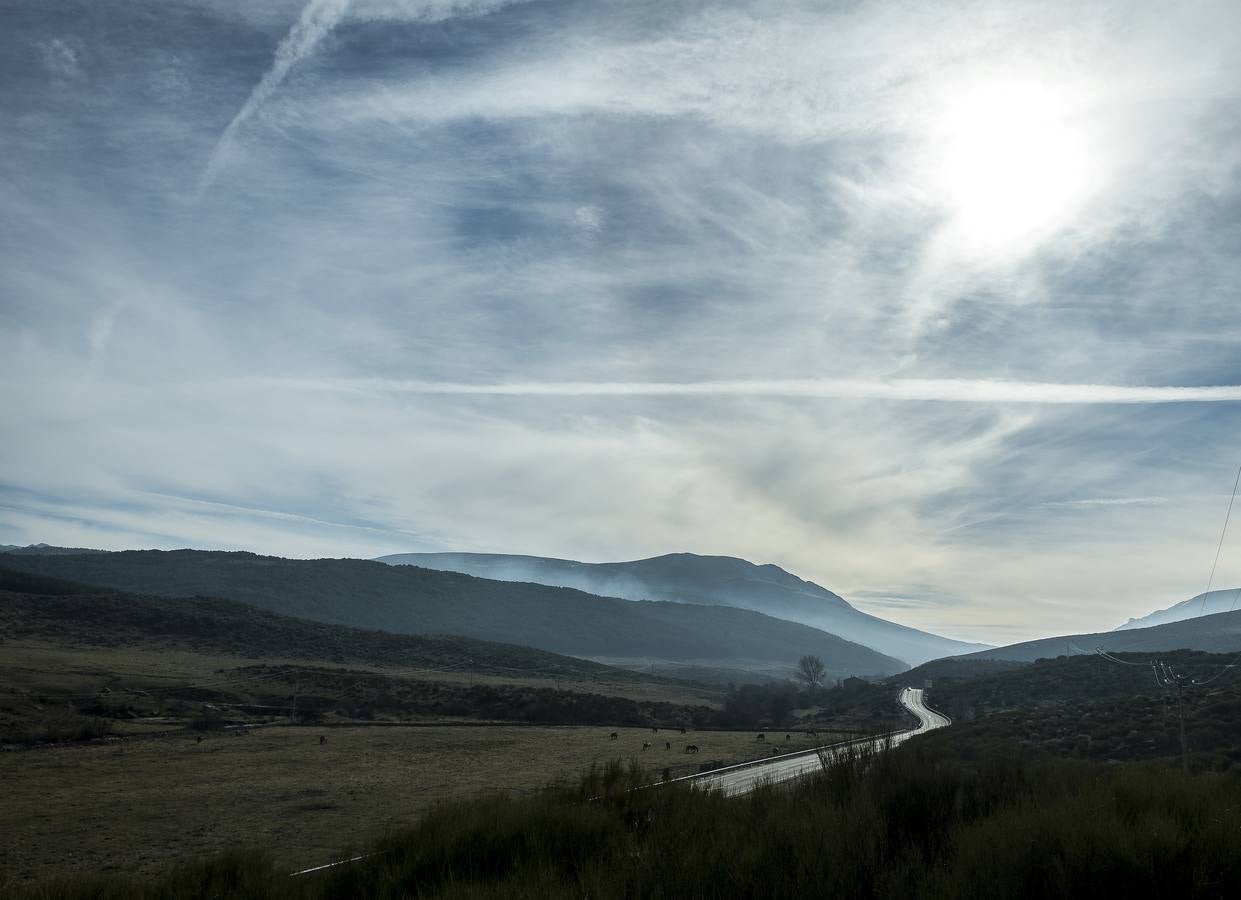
[607, 280]
[317, 19]
[61, 57]
[1110, 501]
[905, 389]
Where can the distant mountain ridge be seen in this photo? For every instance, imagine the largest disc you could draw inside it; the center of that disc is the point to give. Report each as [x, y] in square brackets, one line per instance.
[707, 580]
[406, 599]
[1218, 633]
[46, 550]
[1207, 604]
[42, 607]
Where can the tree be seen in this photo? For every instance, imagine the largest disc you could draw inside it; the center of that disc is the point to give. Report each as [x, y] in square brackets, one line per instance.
[810, 669]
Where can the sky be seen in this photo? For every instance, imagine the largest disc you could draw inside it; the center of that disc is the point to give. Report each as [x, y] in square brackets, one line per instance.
[933, 303]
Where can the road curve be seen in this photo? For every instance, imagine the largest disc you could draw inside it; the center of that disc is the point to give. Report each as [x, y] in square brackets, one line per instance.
[742, 779]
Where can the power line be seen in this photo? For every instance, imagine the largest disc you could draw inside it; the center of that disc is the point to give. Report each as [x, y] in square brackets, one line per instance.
[1116, 659]
[1220, 546]
[1215, 563]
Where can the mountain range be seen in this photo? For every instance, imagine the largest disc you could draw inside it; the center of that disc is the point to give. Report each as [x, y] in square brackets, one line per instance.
[412, 600]
[706, 580]
[1203, 604]
[1218, 633]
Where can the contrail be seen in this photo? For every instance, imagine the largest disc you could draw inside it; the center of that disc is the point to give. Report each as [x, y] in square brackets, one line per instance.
[317, 19]
[948, 390]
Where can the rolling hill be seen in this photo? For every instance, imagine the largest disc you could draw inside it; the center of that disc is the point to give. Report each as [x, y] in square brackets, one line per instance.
[708, 580]
[1203, 604]
[39, 607]
[411, 600]
[1219, 633]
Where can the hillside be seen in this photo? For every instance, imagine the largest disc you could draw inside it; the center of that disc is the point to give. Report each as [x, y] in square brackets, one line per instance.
[38, 607]
[1219, 633]
[710, 580]
[1092, 708]
[1203, 604]
[412, 600]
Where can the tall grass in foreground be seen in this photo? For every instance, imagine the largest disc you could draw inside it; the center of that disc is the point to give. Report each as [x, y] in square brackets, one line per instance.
[909, 823]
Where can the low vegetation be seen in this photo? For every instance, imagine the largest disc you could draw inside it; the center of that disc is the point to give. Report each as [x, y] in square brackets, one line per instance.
[916, 822]
[140, 804]
[1092, 708]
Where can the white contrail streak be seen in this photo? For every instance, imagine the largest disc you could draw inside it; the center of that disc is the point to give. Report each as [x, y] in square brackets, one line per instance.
[317, 19]
[948, 390]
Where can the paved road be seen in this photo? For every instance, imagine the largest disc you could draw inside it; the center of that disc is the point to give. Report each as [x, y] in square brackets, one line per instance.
[743, 778]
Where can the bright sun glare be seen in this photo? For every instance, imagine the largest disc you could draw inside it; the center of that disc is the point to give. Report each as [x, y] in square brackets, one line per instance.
[1009, 163]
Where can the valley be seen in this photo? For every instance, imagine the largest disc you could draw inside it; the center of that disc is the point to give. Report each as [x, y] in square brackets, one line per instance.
[144, 733]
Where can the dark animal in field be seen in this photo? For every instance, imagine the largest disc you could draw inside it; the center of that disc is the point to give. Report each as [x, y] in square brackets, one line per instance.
[667, 745]
[682, 729]
[199, 739]
[761, 737]
[787, 738]
[322, 740]
[654, 730]
[646, 745]
[613, 737]
[691, 748]
[775, 751]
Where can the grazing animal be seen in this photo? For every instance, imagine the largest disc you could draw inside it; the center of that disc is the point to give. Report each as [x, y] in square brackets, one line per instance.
[199, 739]
[654, 730]
[646, 745]
[322, 740]
[691, 748]
[787, 738]
[682, 729]
[613, 737]
[761, 737]
[667, 745]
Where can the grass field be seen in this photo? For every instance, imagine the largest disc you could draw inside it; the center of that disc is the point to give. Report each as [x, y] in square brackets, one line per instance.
[48, 690]
[918, 821]
[140, 804]
[42, 666]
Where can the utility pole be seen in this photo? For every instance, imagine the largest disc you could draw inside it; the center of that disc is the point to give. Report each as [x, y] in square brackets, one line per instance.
[1180, 708]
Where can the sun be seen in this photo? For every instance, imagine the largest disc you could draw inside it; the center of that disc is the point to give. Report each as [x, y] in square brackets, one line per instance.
[1009, 161]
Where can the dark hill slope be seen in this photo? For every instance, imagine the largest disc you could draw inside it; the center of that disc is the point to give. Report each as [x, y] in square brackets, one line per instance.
[38, 607]
[1219, 633]
[709, 580]
[407, 599]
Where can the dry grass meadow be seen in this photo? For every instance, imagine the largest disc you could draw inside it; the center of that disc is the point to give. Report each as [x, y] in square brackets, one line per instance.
[158, 792]
[141, 803]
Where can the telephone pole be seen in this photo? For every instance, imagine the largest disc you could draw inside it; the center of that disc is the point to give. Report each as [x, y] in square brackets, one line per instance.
[1180, 710]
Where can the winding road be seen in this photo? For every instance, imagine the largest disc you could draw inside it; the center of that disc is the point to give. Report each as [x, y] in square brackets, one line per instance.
[743, 778]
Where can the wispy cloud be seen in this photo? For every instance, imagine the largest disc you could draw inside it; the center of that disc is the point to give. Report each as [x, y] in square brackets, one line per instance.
[317, 19]
[602, 279]
[1110, 501]
[947, 390]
